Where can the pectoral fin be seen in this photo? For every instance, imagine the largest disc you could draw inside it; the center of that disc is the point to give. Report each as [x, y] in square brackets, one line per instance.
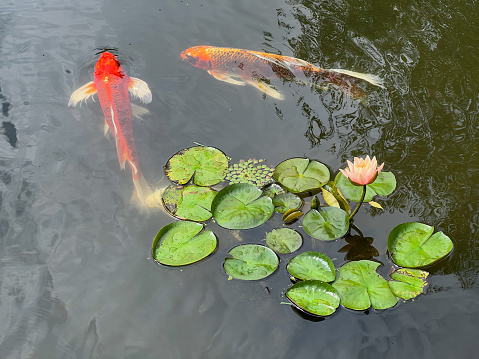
[226, 78]
[139, 111]
[83, 93]
[140, 89]
[266, 88]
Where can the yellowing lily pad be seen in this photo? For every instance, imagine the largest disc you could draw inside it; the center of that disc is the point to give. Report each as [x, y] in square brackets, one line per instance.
[408, 283]
[251, 262]
[205, 165]
[183, 243]
[301, 174]
[191, 202]
[314, 297]
[413, 245]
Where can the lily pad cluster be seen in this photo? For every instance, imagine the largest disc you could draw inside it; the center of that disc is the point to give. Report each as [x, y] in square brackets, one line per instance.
[293, 190]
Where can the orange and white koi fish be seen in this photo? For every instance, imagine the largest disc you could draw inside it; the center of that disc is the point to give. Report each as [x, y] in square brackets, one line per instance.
[240, 67]
[112, 84]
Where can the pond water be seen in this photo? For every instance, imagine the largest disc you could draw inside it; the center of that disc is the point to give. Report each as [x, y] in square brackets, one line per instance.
[76, 275]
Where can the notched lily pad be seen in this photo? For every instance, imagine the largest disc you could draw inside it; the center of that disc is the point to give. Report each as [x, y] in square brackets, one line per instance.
[284, 240]
[191, 202]
[205, 165]
[312, 266]
[285, 201]
[241, 206]
[251, 262]
[299, 175]
[413, 245]
[326, 223]
[360, 286]
[384, 185]
[314, 297]
[408, 283]
[183, 243]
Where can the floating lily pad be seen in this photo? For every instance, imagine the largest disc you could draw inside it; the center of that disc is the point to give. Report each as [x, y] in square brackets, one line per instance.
[384, 185]
[192, 202]
[314, 297]
[182, 243]
[327, 223]
[360, 286]
[312, 266]
[205, 165]
[413, 245]
[272, 189]
[241, 206]
[408, 283]
[284, 240]
[286, 201]
[301, 174]
[251, 262]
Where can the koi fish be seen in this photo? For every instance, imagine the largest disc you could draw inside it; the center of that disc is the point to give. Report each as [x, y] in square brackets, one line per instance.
[112, 84]
[241, 67]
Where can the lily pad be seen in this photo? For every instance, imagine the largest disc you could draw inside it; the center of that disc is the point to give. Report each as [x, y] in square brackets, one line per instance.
[360, 286]
[384, 185]
[413, 245]
[327, 223]
[408, 283]
[182, 243]
[251, 262]
[286, 201]
[205, 165]
[312, 266]
[334, 197]
[314, 297]
[301, 174]
[284, 240]
[272, 189]
[241, 206]
[191, 203]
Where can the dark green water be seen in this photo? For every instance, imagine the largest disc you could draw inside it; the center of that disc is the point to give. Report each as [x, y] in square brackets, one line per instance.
[76, 277]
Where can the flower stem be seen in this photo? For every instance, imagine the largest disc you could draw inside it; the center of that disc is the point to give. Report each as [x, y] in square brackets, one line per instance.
[359, 204]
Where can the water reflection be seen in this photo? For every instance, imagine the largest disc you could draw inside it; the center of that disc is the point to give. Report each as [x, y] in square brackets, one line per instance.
[358, 247]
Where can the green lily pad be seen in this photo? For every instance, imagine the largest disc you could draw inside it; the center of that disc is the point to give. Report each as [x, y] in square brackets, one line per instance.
[286, 201]
[326, 223]
[251, 262]
[191, 203]
[312, 266]
[360, 286]
[205, 165]
[413, 245]
[241, 206]
[301, 174]
[272, 189]
[314, 297]
[284, 240]
[408, 283]
[182, 243]
[384, 185]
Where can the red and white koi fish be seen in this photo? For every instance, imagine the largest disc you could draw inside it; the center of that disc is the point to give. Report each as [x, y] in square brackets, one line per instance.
[112, 84]
[240, 67]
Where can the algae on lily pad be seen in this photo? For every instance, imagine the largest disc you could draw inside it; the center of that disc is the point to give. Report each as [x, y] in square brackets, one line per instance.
[360, 286]
[383, 185]
[284, 240]
[285, 201]
[301, 174]
[182, 243]
[205, 165]
[312, 266]
[191, 202]
[408, 283]
[413, 245]
[314, 297]
[251, 262]
[326, 223]
[241, 206]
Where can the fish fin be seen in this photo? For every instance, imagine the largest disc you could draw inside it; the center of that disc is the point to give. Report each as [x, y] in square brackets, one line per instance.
[226, 78]
[139, 111]
[372, 79]
[105, 128]
[122, 150]
[139, 88]
[83, 93]
[142, 190]
[267, 89]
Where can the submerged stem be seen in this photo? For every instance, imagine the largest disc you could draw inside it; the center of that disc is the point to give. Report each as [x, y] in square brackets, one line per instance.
[359, 204]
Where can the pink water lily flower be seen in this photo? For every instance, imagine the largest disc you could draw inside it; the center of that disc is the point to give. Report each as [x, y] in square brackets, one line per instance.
[363, 171]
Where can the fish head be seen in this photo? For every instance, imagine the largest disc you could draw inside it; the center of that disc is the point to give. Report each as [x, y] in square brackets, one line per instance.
[198, 56]
[108, 65]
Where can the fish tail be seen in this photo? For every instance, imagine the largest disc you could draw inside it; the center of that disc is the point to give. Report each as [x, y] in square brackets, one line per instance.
[142, 190]
[372, 79]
